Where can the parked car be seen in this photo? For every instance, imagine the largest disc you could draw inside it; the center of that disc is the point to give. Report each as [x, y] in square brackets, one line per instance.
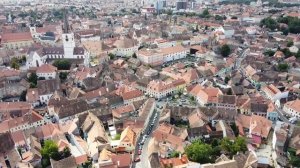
[137, 159]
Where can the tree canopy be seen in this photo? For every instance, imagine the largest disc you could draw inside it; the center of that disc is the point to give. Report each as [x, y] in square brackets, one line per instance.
[225, 50]
[283, 67]
[202, 152]
[199, 152]
[50, 150]
[62, 64]
[293, 24]
[232, 147]
[205, 14]
[269, 23]
[290, 43]
[32, 79]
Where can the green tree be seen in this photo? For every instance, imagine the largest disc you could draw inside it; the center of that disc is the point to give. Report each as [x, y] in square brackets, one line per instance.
[23, 59]
[290, 43]
[117, 137]
[298, 54]
[283, 67]
[14, 63]
[269, 53]
[294, 160]
[226, 145]
[49, 150]
[226, 80]
[205, 14]
[62, 64]
[235, 129]
[63, 76]
[134, 55]
[111, 56]
[32, 79]
[65, 153]
[229, 92]
[232, 147]
[240, 145]
[199, 152]
[292, 22]
[287, 52]
[225, 50]
[269, 23]
[87, 164]
[23, 95]
[174, 154]
[218, 17]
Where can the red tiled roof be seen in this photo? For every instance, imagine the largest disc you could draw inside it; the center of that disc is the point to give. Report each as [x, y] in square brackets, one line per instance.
[15, 37]
[132, 94]
[46, 68]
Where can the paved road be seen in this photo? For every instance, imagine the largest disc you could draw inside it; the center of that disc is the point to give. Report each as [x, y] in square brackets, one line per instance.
[144, 162]
[281, 115]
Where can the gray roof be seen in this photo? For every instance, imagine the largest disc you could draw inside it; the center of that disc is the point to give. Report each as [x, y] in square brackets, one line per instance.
[48, 86]
[68, 162]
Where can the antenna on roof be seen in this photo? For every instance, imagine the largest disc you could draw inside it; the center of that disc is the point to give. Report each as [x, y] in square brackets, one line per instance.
[66, 22]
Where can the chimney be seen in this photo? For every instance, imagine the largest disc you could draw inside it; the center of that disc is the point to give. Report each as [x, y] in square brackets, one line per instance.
[179, 155]
[118, 163]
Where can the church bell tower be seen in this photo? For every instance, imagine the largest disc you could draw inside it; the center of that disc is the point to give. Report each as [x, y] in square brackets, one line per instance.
[68, 38]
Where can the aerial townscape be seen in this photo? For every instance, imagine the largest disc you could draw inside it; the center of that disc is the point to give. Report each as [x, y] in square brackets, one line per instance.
[149, 83]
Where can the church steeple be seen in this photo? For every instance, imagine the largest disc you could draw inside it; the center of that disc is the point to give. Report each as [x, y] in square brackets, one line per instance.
[66, 26]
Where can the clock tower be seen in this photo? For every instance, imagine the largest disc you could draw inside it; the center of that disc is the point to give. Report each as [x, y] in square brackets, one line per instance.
[68, 38]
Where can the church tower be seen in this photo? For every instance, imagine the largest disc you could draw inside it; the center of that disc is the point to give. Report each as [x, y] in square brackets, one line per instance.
[68, 38]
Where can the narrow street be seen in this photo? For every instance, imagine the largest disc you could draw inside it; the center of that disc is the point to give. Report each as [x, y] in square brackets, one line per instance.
[152, 125]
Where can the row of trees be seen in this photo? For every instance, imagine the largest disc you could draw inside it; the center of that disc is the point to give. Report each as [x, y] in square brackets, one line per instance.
[286, 51]
[202, 153]
[293, 24]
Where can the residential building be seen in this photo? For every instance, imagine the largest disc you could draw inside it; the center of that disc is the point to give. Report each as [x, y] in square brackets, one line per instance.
[125, 47]
[163, 55]
[159, 89]
[128, 139]
[255, 127]
[273, 93]
[15, 41]
[206, 96]
[46, 88]
[292, 108]
[46, 71]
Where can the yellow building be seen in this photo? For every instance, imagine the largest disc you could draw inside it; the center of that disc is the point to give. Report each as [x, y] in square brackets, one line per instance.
[16, 40]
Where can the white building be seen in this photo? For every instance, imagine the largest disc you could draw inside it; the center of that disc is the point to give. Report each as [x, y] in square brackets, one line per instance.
[292, 108]
[35, 58]
[274, 93]
[125, 47]
[159, 89]
[163, 55]
[38, 57]
[46, 71]
[46, 88]
[30, 120]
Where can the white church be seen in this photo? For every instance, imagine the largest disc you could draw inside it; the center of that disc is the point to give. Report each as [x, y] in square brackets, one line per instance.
[39, 56]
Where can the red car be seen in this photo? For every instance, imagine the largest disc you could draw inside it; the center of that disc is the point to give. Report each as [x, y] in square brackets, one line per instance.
[137, 159]
[139, 152]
